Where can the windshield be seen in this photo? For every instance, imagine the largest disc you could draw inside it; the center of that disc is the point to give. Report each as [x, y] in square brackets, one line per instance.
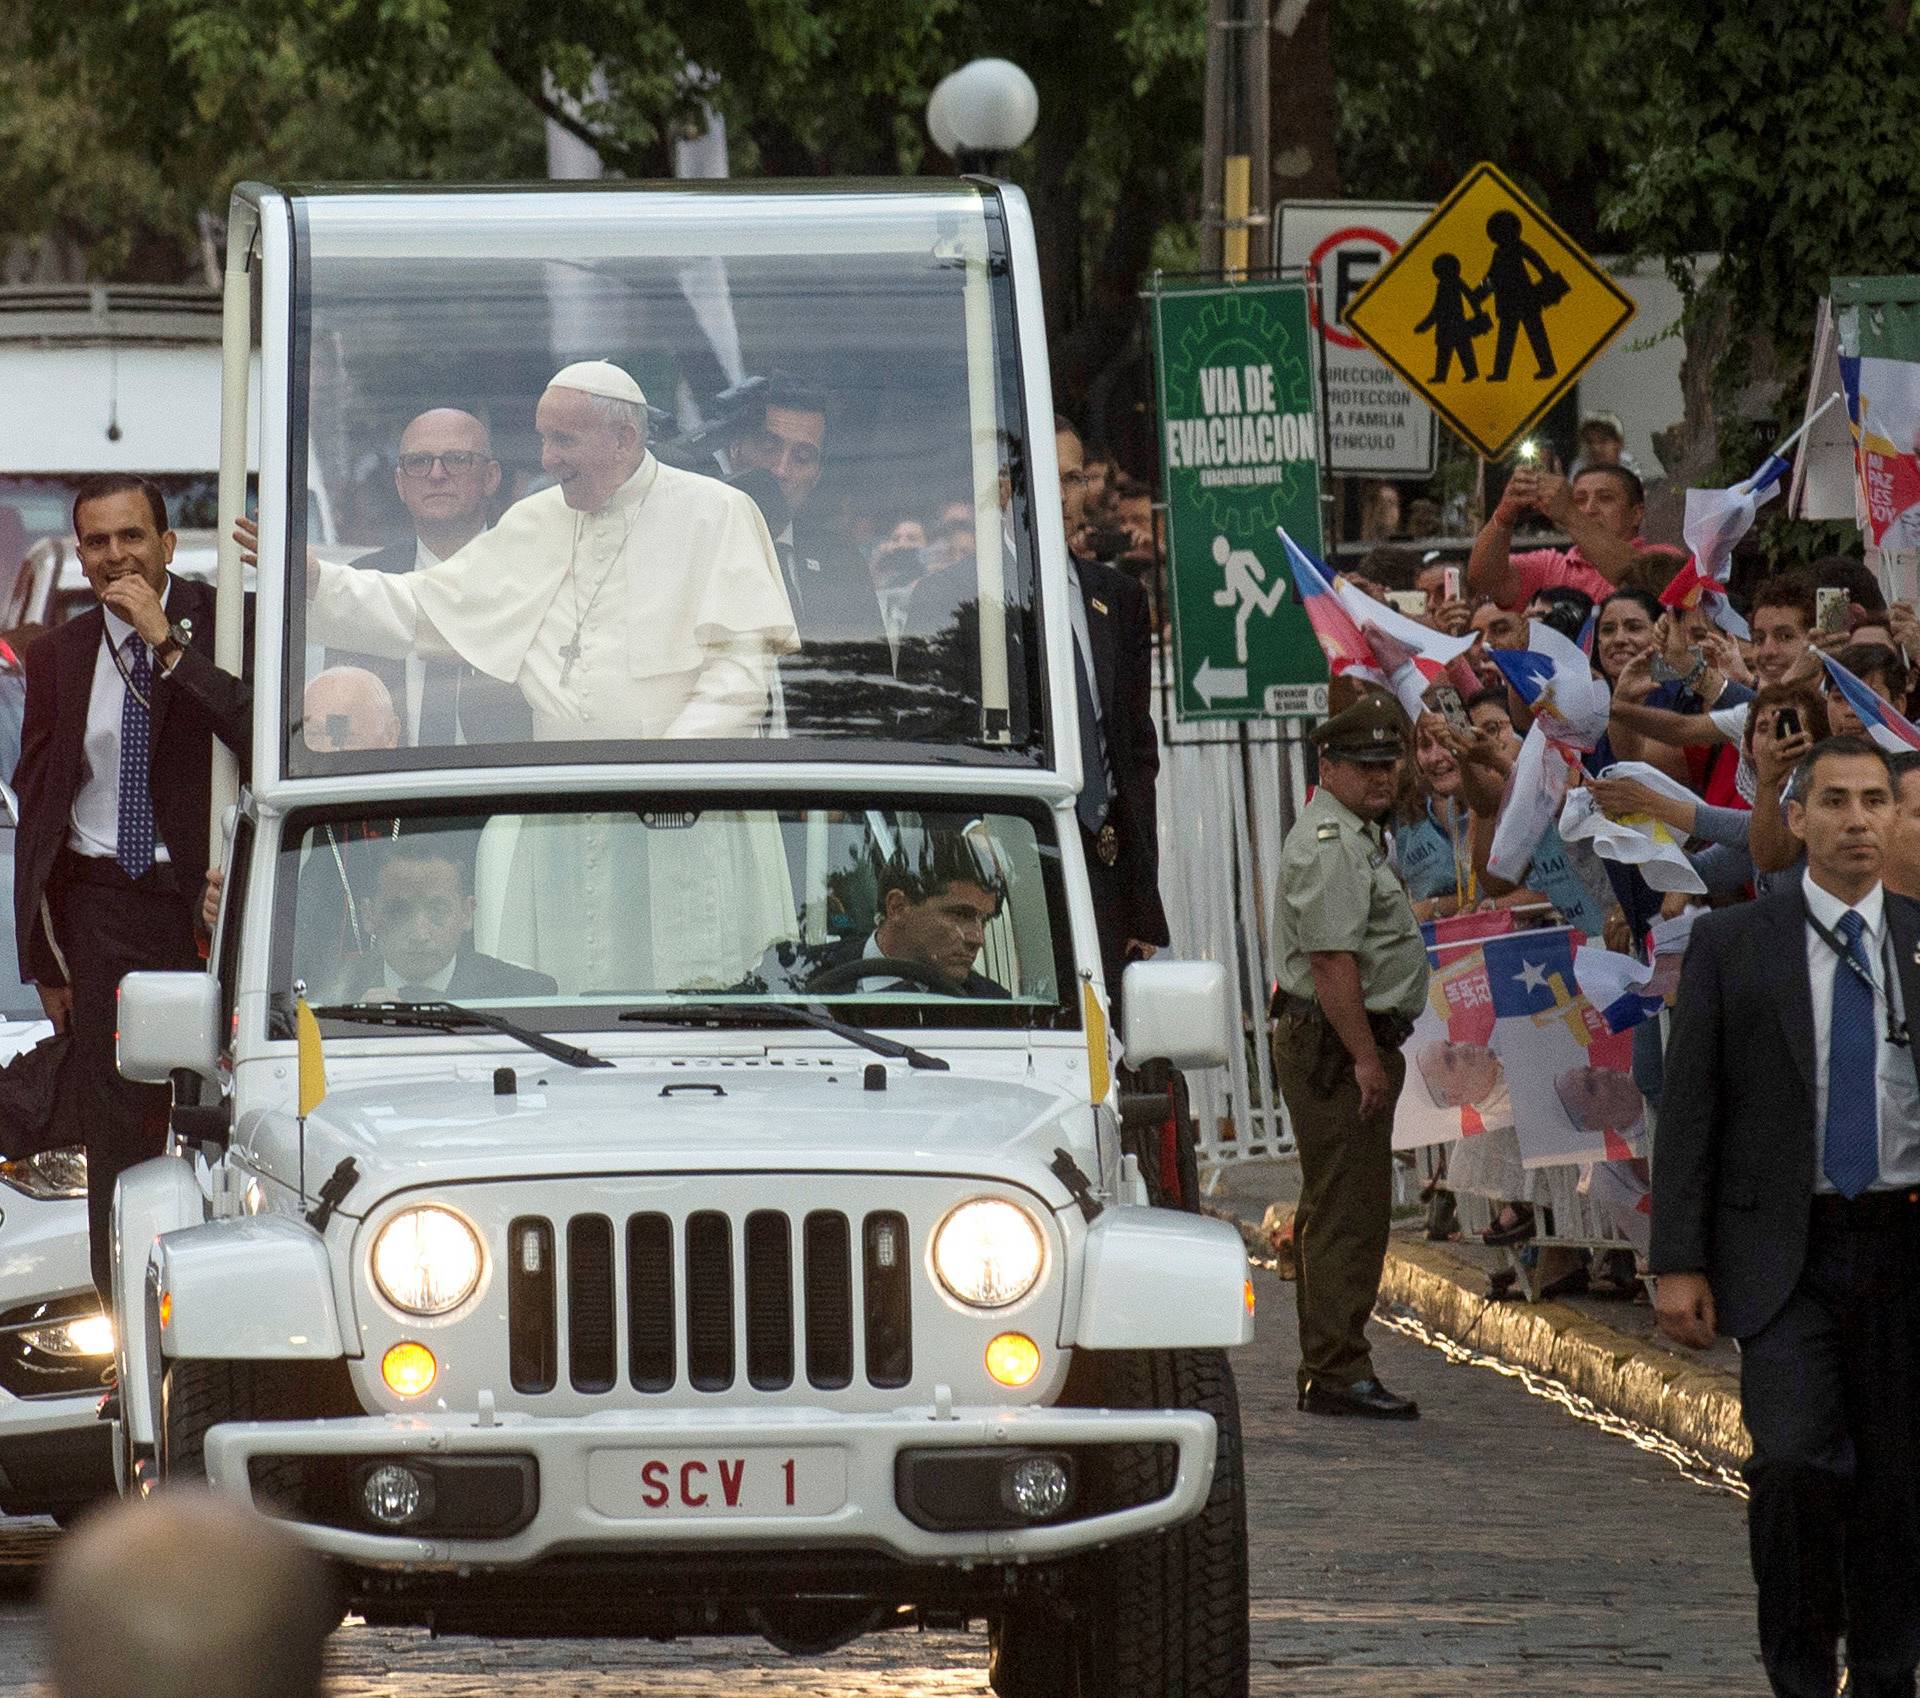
[634, 468]
[894, 916]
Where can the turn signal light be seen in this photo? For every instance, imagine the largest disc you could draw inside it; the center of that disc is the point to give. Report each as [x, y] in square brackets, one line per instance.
[1013, 1359]
[409, 1369]
[1247, 1293]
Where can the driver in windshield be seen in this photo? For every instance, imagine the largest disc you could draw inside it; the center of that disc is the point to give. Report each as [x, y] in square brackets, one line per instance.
[933, 912]
[423, 950]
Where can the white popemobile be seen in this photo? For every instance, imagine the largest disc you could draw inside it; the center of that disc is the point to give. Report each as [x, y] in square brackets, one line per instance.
[715, 1215]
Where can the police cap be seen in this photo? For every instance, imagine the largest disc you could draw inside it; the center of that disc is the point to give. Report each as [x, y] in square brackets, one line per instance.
[1371, 732]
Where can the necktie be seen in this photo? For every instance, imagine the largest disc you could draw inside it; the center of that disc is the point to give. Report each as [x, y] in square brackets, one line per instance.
[1851, 1158]
[439, 697]
[134, 850]
[1096, 778]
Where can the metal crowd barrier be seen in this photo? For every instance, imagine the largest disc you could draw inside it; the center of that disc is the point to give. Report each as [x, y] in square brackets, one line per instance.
[1226, 800]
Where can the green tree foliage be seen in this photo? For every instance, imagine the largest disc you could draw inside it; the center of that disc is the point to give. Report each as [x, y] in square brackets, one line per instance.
[1778, 135]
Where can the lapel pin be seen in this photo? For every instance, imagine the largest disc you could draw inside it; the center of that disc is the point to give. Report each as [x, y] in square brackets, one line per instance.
[1099, 606]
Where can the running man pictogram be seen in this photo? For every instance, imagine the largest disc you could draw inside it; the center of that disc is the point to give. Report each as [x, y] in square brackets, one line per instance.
[1245, 577]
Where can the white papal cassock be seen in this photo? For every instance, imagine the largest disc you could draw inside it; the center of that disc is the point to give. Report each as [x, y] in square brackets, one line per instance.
[660, 614]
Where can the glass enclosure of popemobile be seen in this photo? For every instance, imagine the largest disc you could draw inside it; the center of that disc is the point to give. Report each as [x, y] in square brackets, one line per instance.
[697, 589]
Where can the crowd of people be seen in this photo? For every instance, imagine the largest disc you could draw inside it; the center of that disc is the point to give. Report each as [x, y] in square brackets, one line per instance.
[1779, 1202]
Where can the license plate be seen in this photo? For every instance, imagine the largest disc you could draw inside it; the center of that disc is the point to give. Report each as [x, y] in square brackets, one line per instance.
[642, 1484]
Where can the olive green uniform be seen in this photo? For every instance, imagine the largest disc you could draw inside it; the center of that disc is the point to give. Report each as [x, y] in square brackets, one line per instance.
[1338, 892]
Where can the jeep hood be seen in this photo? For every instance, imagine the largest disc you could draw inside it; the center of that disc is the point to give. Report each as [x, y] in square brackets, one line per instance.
[434, 1131]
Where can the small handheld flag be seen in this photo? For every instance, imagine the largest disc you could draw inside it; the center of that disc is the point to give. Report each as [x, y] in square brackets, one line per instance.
[1884, 723]
[313, 1061]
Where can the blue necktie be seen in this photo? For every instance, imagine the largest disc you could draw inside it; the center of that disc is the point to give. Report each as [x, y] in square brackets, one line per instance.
[1852, 1151]
[135, 851]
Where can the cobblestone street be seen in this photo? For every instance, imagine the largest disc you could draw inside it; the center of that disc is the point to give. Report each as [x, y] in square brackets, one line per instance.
[1497, 1548]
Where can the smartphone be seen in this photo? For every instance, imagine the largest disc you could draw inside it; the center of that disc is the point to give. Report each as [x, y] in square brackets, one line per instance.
[1449, 583]
[1445, 700]
[1831, 607]
[1410, 602]
[1786, 721]
[1662, 669]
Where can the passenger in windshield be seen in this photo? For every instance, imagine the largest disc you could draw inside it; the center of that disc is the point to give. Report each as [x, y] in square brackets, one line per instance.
[778, 458]
[933, 910]
[445, 475]
[628, 600]
[422, 917]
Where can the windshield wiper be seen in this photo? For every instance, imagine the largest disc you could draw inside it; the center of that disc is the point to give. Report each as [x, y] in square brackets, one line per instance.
[783, 1013]
[450, 1017]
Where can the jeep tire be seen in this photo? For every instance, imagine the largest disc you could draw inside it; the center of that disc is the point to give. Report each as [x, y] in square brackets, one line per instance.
[196, 1396]
[1159, 1616]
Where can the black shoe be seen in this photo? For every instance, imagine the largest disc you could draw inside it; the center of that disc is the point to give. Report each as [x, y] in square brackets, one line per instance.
[1364, 1397]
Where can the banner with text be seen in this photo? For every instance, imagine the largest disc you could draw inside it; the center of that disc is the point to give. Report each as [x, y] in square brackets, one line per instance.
[1877, 325]
[1240, 456]
[1506, 1039]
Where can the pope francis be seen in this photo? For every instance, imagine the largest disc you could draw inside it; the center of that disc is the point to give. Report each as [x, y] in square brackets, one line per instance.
[628, 600]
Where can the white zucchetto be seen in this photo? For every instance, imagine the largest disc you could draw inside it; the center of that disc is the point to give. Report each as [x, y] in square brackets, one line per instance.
[599, 377]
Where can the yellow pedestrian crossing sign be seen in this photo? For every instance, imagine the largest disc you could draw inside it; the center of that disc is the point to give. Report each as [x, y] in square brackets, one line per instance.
[1489, 311]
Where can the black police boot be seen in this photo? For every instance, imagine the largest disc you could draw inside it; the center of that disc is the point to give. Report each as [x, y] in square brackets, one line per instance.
[1366, 1397]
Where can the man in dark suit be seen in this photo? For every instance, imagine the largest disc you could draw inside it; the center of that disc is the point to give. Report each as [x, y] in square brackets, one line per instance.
[123, 704]
[1119, 749]
[445, 474]
[422, 918]
[836, 607]
[934, 898]
[1786, 1213]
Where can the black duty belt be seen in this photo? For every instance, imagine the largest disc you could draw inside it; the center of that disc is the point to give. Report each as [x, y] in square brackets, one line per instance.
[1899, 1207]
[1389, 1029]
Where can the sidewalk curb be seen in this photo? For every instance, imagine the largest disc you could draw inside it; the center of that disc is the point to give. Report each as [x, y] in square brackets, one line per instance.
[1695, 1405]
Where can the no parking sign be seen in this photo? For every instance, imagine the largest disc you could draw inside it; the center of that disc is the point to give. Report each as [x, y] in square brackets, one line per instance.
[1376, 425]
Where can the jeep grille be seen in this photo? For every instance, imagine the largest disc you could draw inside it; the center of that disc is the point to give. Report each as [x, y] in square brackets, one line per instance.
[680, 1280]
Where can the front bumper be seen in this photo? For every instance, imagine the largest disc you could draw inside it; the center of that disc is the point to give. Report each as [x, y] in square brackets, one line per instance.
[573, 1512]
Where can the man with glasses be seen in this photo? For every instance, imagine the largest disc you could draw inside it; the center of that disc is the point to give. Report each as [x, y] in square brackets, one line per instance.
[445, 474]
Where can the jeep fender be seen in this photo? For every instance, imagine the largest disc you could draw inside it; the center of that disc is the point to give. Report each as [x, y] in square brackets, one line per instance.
[258, 1288]
[156, 1196]
[1162, 1279]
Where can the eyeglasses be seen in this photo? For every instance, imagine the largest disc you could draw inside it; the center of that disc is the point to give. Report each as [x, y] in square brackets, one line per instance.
[457, 464]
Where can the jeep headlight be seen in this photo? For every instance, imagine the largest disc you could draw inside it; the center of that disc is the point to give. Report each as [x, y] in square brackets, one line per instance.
[988, 1253]
[50, 1175]
[427, 1260]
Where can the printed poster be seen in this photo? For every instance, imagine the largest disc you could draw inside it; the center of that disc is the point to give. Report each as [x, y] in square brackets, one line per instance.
[1506, 1039]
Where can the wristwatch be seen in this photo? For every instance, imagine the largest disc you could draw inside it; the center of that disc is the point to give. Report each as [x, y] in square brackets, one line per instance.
[179, 635]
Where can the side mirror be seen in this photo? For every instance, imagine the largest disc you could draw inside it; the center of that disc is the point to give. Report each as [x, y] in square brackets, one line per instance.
[1176, 1012]
[169, 1022]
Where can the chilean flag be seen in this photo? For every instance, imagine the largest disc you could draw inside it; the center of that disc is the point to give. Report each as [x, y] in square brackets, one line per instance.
[1716, 520]
[1884, 722]
[1402, 653]
[1346, 650]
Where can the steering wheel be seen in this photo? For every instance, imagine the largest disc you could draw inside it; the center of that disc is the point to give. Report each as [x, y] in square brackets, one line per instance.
[843, 974]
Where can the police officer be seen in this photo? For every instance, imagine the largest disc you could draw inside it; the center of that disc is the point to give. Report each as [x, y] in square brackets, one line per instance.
[1352, 976]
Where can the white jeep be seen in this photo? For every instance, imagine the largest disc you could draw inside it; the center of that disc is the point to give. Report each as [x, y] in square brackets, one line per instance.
[716, 1216]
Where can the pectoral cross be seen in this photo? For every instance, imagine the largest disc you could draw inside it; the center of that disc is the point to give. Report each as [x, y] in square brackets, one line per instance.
[569, 653]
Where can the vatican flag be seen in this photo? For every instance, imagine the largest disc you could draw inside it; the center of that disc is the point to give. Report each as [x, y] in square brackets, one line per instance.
[313, 1060]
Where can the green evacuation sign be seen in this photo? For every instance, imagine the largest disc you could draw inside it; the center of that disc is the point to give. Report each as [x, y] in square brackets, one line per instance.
[1239, 448]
